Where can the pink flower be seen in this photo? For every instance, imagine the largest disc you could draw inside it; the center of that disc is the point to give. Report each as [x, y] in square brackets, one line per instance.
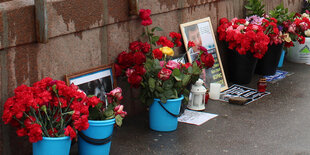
[172, 65]
[117, 92]
[119, 111]
[164, 74]
[240, 27]
[129, 71]
[162, 63]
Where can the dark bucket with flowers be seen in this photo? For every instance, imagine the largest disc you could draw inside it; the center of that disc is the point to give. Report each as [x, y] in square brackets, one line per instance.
[164, 82]
[246, 43]
[97, 138]
[269, 63]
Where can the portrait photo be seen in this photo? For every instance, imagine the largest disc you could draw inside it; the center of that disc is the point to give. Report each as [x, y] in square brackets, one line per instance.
[97, 81]
[200, 32]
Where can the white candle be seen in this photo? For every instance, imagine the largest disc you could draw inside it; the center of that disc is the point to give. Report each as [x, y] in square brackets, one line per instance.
[215, 89]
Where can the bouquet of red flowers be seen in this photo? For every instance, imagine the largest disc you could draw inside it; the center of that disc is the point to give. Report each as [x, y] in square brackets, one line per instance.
[49, 108]
[244, 37]
[153, 69]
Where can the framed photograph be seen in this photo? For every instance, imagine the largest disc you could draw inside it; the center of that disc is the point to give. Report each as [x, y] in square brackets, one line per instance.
[96, 81]
[201, 33]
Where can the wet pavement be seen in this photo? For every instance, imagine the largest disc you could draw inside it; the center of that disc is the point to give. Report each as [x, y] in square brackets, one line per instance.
[278, 123]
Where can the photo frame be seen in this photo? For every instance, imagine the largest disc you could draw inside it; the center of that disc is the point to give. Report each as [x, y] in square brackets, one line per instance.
[201, 33]
[96, 81]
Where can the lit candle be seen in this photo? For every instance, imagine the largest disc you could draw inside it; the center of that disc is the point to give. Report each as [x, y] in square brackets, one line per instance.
[215, 89]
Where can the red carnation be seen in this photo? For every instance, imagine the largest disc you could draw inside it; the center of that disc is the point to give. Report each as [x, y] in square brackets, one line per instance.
[157, 54]
[93, 101]
[35, 133]
[139, 69]
[21, 132]
[165, 42]
[139, 58]
[135, 46]
[145, 16]
[191, 44]
[81, 123]
[164, 74]
[70, 132]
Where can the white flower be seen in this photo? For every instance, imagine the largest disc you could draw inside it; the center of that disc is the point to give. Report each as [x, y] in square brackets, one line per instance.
[287, 37]
[305, 15]
[307, 33]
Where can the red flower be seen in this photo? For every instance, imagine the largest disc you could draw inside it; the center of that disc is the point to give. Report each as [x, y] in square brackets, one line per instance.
[191, 44]
[81, 123]
[35, 133]
[165, 42]
[93, 101]
[118, 70]
[207, 59]
[145, 16]
[164, 74]
[157, 54]
[70, 132]
[119, 111]
[172, 65]
[176, 38]
[129, 71]
[135, 46]
[135, 80]
[52, 132]
[139, 69]
[145, 47]
[117, 92]
[139, 58]
[125, 59]
[187, 65]
[21, 132]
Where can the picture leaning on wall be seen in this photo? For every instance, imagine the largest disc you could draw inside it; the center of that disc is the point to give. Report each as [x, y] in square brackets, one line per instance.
[201, 33]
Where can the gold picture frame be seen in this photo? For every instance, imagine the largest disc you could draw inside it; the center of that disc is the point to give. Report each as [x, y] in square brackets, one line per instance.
[201, 33]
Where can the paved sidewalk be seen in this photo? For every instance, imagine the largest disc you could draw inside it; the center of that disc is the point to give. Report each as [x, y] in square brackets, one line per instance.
[276, 124]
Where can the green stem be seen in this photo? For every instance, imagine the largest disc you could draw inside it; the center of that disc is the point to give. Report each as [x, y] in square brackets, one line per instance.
[60, 109]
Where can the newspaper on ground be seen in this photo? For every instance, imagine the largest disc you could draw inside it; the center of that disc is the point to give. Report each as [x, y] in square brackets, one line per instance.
[241, 91]
[195, 117]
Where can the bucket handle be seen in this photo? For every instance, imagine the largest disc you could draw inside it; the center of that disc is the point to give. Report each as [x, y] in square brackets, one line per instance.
[95, 141]
[174, 115]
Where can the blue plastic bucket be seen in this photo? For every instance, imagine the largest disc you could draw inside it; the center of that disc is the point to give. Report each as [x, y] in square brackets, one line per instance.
[281, 59]
[52, 146]
[160, 119]
[98, 130]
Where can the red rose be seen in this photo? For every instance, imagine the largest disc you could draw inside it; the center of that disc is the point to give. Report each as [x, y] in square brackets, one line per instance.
[129, 71]
[135, 46]
[125, 59]
[203, 49]
[119, 111]
[70, 132]
[157, 54]
[139, 69]
[135, 80]
[187, 65]
[207, 59]
[145, 47]
[139, 58]
[164, 74]
[117, 92]
[118, 70]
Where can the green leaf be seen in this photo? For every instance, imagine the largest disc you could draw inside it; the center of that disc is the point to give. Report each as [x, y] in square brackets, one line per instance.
[168, 84]
[190, 70]
[171, 94]
[119, 120]
[154, 39]
[109, 113]
[186, 80]
[156, 29]
[177, 74]
[159, 89]
[152, 84]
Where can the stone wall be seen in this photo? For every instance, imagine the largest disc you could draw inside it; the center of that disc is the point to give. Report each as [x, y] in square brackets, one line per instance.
[87, 33]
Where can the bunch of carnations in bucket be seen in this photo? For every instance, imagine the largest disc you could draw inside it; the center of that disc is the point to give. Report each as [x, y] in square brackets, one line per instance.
[297, 29]
[49, 108]
[99, 110]
[244, 37]
[149, 65]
